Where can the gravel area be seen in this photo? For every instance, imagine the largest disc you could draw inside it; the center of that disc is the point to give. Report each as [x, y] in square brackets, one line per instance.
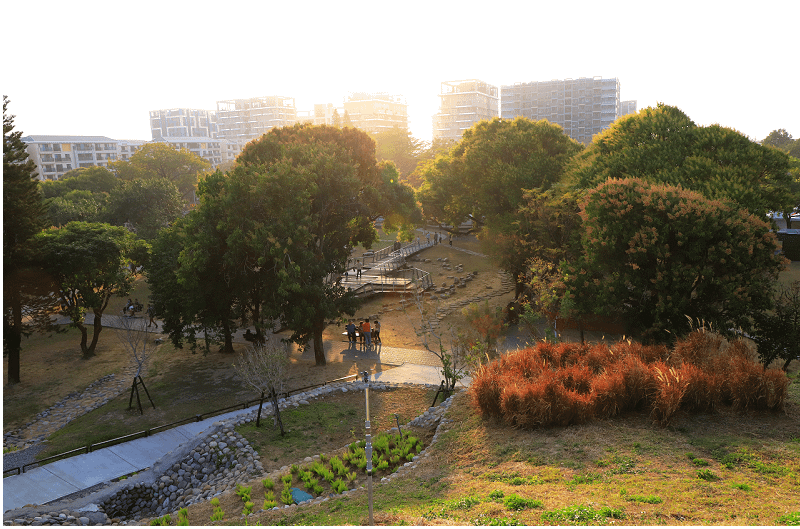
[17, 458]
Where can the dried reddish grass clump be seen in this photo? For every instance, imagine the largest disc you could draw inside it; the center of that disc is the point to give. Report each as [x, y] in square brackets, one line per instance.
[561, 384]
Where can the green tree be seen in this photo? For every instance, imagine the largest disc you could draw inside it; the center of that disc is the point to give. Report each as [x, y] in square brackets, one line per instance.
[23, 217]
[76, 205]
[662, 145]
[486, 177]
[777, 333]
[92, 179]
[657, 254]
[90, 263]
[348, 190]
[400, 147]
[780, 139]
[161, 160]
[147, 205]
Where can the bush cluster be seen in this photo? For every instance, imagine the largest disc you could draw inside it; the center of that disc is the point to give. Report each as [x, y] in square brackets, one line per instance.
[568, 383]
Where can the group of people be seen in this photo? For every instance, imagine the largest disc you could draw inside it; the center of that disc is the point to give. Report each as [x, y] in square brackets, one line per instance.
[365, 333]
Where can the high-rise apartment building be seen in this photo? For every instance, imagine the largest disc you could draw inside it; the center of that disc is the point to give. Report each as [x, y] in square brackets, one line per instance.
[182, 123]
[376, 112]
[211, 149]
[248, 119]
[582, 107]
[462, 104]
[56, 155]
[627, 107]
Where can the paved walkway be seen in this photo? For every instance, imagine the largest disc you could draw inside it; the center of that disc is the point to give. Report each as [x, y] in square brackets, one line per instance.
[67, 476]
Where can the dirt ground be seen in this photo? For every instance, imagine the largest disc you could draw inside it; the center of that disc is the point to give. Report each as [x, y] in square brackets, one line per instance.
[400, 316]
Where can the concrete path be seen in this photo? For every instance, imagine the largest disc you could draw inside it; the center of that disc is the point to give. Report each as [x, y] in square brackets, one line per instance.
[67, 476]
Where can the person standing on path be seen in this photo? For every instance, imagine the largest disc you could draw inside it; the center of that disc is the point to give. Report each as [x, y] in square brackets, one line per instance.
[376, 332]
[365, 330]
[451, 239]
[151, 315]
[358, 269]
[351, 333]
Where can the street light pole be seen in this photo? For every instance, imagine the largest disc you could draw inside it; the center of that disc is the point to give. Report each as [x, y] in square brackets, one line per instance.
[368, 449]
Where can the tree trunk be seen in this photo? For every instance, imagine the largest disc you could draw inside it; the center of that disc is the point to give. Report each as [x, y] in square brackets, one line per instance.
[97, 327]
[228, 345]
[319, 347]
[277, 411]
[12, 334]
[84, 340]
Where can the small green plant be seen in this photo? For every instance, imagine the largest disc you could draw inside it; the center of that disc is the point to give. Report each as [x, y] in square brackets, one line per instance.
[218, 515]
[581, 514]
[339, 486]
[318, 489]
[646, 499]
[287, 479]
[248, 508]
[707, 475]
[793, 518]
[10, 448]
[699, 462]
[496, 494]
[268, 484]
[286, 494]
[351, 476]
[215, 502]
[269, 504]
[518, 503]
[294, 469]
[243, 492]
[742, 486]
[183, 516]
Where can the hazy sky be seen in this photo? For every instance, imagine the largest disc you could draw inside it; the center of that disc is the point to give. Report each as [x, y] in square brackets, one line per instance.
[97, 68]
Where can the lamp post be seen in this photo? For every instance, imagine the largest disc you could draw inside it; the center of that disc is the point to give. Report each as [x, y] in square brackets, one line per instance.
[368, 449]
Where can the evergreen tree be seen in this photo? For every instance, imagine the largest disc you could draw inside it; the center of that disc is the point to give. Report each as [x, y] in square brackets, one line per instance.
[23, 217]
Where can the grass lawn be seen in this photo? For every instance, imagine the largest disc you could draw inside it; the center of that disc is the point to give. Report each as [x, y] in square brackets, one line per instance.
[723, 468]
[51, 367]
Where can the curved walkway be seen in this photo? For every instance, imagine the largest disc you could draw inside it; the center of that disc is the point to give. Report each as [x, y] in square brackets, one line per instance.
[65, 477]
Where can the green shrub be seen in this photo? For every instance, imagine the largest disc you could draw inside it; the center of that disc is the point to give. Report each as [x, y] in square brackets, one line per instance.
[581, 514]
[287, 479]
[707, 475]
[269, 504]
[294, 469]
[699, 462]
[215, 502]
[518, 503]
[742, 486]
[248, 508]
[793, 518]
[243, 492]
[339, 486]
[218, 515]
[497, 494]
[646, 499]
[268, 484]
[318, 489]
[286, 495]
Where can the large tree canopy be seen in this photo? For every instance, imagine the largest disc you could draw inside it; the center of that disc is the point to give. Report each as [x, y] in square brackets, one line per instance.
[662, 145]
[485, 175]
[145, 205]
[161, 160]
[400, 147]
[90, 263]
[23, 217]
[271, 238]
[490, 175]
[657, 254]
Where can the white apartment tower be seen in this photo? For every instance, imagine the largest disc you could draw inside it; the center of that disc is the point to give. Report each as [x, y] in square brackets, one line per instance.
[464, 103]
[376, 112]
[582, 107]
[182, 123]
[248, 119]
